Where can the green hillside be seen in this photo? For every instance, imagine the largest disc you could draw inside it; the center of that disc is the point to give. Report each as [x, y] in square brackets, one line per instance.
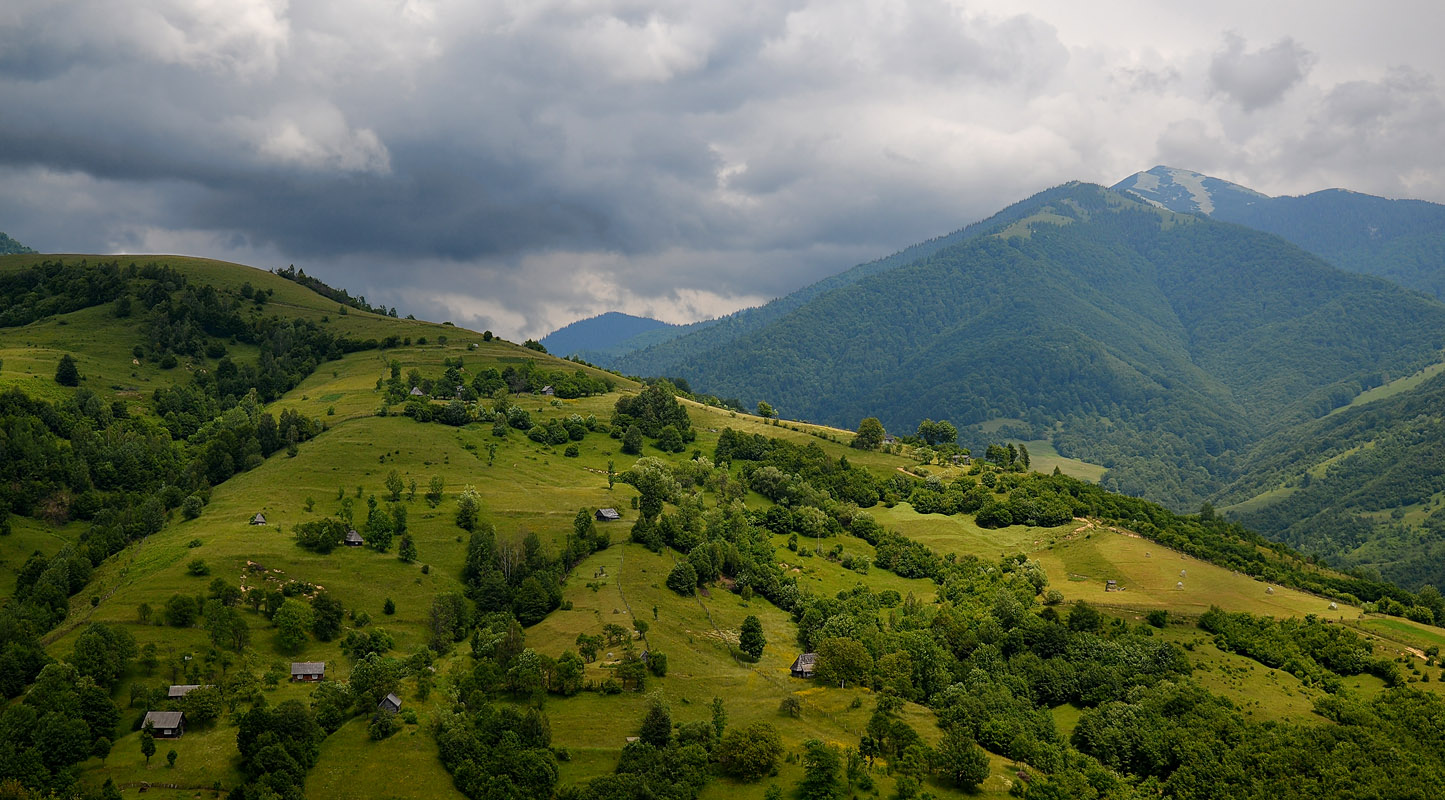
[1157, 345]
[940, 598]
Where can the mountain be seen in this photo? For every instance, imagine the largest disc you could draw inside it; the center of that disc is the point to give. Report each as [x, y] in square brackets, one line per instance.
[1400, 240]
[9, 246]
[671, 356]
[1158, 344]
[602, 333]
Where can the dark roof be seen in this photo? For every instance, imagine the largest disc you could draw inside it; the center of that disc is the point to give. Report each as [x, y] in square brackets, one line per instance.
[308, 667]
[391, 700]
[353, 536]
[164, 719]
[608, 513]
[181, 690]
[805, 661]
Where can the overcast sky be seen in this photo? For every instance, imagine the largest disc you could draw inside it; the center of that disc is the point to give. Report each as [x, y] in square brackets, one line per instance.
[518, 165]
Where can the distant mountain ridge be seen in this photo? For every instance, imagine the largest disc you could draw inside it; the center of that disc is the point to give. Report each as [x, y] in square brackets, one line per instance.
[600, 333]
[1399, 240]
[9, 246]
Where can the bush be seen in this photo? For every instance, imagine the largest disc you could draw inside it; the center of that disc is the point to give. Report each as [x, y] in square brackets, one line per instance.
[198, 568]
[682, 579]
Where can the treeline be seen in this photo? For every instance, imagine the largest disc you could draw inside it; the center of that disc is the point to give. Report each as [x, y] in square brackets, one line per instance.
[291, 273]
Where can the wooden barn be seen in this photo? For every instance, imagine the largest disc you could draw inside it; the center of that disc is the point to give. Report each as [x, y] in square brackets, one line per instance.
[608, 515]
[805, 665]
[391, 704]
[166, 724]
[308, 670]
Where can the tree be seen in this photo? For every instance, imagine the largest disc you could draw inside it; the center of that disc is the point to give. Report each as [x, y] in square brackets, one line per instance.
[388, 608]
[292, 619]
[632, 441]
[66, 373]
[171, 758]
[394, 485]
[379, 530]
[682, 579]
[843, 661]
[766, 410]
[750, 753]
[469, 503]
[101, 652]
[670, 440]
[148, 742]
[326, 617]
[751, 639]
[1023, 456]
[657, 723]
[719, 717]
[870, 434]
[407, 551]
[434, 491]
[962, 760]
[821, 768]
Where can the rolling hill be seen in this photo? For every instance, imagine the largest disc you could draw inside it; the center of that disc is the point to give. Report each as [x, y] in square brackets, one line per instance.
[1400, 240]
[948, 630]
[9, 246]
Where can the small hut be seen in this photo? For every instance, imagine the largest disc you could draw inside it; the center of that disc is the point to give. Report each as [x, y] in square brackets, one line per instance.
[548, 391]
[1179, 585]
[181, 690]
[608, 515]
[1269, 590]
[417, 392]
[353, 539]
[805, 665]
[1111, 586]
[889, 438]
[259, 519]
[391, 704]
[308, 670]
[166, 724]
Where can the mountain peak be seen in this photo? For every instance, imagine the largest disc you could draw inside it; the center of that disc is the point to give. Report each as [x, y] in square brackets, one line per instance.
[1186, 191]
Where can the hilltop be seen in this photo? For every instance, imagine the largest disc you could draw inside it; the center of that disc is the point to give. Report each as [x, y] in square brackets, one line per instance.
[604, 333]
[512, 624]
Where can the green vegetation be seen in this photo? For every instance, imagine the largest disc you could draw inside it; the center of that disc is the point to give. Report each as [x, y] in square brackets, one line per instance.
[527, 640]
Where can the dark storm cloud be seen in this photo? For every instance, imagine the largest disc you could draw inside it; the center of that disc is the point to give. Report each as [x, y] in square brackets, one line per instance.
[516, 166]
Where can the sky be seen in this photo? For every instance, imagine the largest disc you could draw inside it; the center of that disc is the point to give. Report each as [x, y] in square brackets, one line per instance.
[518, 165]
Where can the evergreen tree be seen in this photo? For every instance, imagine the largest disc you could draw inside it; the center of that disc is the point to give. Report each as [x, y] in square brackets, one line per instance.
[407, 551]
[66, 374]
[657, 724]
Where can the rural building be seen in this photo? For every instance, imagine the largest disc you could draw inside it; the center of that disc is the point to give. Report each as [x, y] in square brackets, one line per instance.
[167, 724]
[391, 704]
[548, 390]
[608, 515]
[805, 665]
[353, 539]
[1111, 586]
[889, 438]
[181, 690]
[417, 392]
[259, 519]
[308, 670]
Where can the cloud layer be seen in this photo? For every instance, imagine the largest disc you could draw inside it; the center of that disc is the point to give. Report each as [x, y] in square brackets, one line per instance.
[517, 165]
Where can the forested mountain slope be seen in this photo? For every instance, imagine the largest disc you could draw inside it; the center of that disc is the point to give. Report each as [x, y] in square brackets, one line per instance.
[1364, 487]
[1401, 240]
[1156, 344]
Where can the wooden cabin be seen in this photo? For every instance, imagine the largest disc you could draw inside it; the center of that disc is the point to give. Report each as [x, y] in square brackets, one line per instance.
[308, 670]
[805, 665]
[166, 724]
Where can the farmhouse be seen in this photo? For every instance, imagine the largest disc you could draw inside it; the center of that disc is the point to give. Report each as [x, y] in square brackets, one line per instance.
[608, 515]
[259, 519]
[308, 670]
[548, 390]
[167, 724]
[181, 690]
[805, 665]
[353, 539]
[391, 704]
